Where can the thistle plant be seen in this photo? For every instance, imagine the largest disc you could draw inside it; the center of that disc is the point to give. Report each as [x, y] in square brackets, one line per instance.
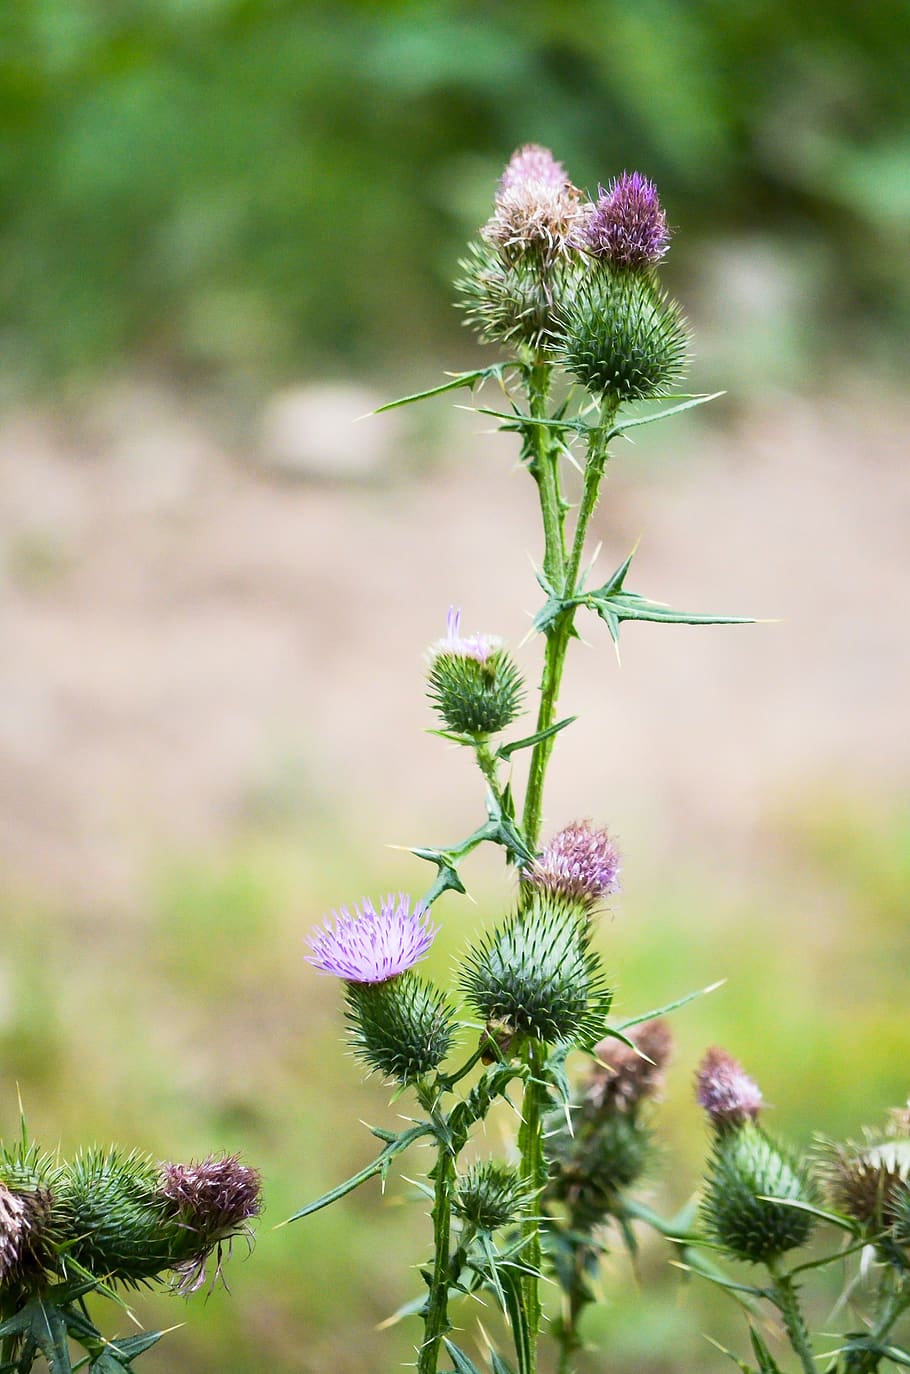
[106, 1221]
[567, 289]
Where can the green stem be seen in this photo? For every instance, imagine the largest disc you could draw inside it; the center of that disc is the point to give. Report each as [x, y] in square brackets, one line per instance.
[534, 1170]
[436, 1312]
[783, 1293]
[560, 633]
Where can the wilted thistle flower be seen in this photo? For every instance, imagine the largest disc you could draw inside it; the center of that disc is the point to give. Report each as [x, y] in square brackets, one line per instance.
[868, 1181]
[15, 1225]
[400, 1024]
[490, 1195]
[609, 1144]
[624, 1077]
[627, 223]
[212, 1201]
[472, 681]
[528, 255]
[725, 1090]
[537, 975]
[751, 1179]
[29, 1229]
[580, 864]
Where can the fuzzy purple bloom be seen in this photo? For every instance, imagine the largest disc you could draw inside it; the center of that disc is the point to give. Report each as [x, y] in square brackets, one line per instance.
[627, 224]
[370, 946]
[478, 647]
[533, 163]
[725, 1090]
[580, 863]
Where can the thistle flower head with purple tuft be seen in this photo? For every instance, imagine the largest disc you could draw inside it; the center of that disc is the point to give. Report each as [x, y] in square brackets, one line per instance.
[476, 646]
[580, 863]
[625, 1076]
[725, 1090]
[370, 946]
[627, 224]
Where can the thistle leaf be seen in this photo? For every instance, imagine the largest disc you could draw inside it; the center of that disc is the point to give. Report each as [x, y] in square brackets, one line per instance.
[461, 1363]
[378, 1166]
[470, 379]
[689, 404]
[505, 751]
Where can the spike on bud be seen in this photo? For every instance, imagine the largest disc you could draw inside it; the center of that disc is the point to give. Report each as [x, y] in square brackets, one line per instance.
[725, 1090]
[472, 681]
[627, 224]
[580, 864]
[370, 946]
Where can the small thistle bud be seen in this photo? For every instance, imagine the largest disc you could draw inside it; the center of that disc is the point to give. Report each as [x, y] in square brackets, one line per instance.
[491, 1195]
[473, 682]
[594, 1162]
[623, 1078]
[400, 1024]
[580, 864]
[621, 336]
[725, 1090]
[750, 1182]
[538, 976]
[627, 225]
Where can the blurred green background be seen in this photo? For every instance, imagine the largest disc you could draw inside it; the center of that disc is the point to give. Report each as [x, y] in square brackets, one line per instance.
[227, 229]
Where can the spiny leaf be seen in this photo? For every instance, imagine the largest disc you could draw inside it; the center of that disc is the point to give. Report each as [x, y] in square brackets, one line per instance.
[662, 414]
[379, 1165]
[740, 1364]
[460, 1360]
[505, 751]
[766, 1362]
[663, 1011]
[470, 379]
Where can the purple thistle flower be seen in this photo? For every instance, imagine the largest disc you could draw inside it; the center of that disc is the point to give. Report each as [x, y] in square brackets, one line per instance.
[214, 1197]
[14, 1228]
[534, 163]
[579, 862]
[370, 946]
[624, 1077]
[627, 224]
[479, 647]
[725, 1090]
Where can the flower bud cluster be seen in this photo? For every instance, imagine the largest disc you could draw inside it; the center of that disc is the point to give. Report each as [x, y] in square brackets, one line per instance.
[752, 1180]
[121, 1217]
[576, 280]
[609, 1143]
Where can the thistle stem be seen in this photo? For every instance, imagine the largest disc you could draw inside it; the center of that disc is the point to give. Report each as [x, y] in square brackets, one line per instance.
[560, 633]
[436, 1311]
[783, 1293]
[534, 1170]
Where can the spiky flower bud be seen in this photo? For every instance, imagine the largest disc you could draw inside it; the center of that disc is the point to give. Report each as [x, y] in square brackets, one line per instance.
[538, 975]
[627, 224]
[725, 1090]
[580, 864]
[624, 1077]
[402, 1028]
[473, 682]
[400, 1025]
[490, 1195]
[750, 1182]
[621, 336]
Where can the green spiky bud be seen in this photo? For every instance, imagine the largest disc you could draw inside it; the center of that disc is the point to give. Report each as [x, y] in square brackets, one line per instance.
[538, 974]
[751, 1180]
[591, 1165]
[622, 336]
[117, 1218]
[490, 1195]
[511, 300]
[473, 682]
[401, 1028]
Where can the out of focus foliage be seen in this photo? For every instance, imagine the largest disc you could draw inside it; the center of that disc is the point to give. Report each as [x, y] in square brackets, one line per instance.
[256, 186]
